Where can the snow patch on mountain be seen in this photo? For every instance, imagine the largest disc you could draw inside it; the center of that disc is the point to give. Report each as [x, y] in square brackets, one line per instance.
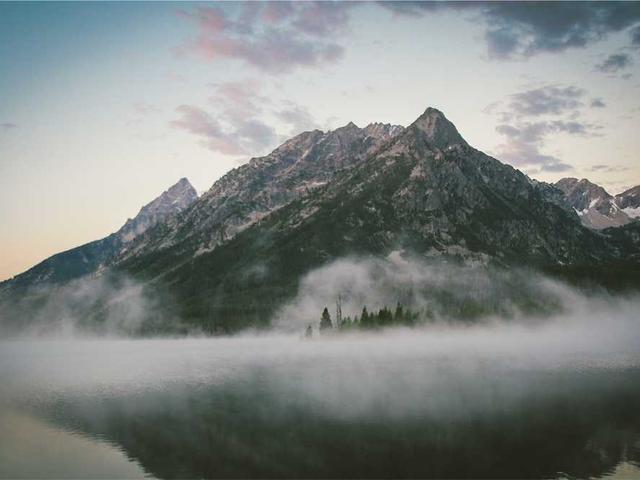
[596, 208]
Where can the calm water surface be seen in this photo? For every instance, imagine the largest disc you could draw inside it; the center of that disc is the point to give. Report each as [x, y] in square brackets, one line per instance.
[446, 404]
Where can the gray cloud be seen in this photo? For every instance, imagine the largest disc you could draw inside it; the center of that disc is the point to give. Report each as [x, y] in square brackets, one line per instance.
[273, 37]
[537, 27]
[238, 119]
[198, 122]
[614, 63]
[525, 29]
[635, 36]
[556, 110]
[8, 126]
[298, 117]
[528, 156]
[321, 18]
[522, 146]
[608, 168]
[598, 103]
[546, 100]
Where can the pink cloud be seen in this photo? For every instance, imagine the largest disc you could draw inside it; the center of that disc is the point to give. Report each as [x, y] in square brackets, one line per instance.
[238, 119]
[277, 12]
[274, 37]
[198, 122]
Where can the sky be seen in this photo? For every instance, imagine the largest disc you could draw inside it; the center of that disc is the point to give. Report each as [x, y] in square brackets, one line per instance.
[105, 105]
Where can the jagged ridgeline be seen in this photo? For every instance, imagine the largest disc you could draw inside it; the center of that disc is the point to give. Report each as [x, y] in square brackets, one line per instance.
[232, 257]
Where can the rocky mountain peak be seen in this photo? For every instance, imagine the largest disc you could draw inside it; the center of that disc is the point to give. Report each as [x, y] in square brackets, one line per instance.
[301, 141]
[382, 131]
[348, 132]
[596, 207]
[629, 201]
[178, 197]
[351, 126]
[437, 129]
[584, 188]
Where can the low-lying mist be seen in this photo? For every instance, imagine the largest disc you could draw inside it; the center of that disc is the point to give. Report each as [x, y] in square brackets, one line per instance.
[443, 297]
[108, 305]
[439, 292]
[514, 374]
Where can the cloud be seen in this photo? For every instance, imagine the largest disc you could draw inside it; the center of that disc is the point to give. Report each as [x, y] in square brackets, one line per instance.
[241, 99]
[239, 119]
[198, 122]
[235, 138]
[525, 29]
[8, 126]
[608, 168]
[522, 147]
[524, 141]
[635, 36]
[322, 18]
[598, 103]
[614, 63]
[554, 26]
[556, 110]
[273, 37]
[546, 100]
[298, 117]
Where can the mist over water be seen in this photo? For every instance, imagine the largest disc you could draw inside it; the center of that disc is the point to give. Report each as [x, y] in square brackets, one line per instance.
[518, 392]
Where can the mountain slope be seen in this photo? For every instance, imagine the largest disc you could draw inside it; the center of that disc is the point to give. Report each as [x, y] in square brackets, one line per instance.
[425, 191]
[88, 258]
[629, 202]
[595, 206]
[250, 192]
[230, 259]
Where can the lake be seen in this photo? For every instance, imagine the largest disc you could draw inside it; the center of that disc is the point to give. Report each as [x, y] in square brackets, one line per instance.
[482, 402]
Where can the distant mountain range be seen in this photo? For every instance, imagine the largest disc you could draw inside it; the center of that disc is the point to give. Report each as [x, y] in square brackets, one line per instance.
[230, 257]
[596, 207]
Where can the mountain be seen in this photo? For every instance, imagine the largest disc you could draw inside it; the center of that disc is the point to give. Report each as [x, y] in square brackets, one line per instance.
[629, 202]
[89, 258]
[230, 258]
[173, 201]
[249, 193]
[595, 206]
[423, 190]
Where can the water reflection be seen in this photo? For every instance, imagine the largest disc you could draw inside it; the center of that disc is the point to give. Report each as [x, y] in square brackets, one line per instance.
[354, 408]
[30, 447]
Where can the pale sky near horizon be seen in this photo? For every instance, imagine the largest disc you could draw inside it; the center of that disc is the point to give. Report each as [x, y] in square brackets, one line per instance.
[105, 105]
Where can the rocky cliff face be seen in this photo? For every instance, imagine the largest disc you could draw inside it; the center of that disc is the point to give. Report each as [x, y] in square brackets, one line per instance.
[595, 206]
[249, 193]
[169, 203]
[427, 189]
[629, 202]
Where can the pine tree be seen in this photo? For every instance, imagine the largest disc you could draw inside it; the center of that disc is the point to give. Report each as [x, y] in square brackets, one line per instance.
[399, 315]
[325, 320]
[364, 318]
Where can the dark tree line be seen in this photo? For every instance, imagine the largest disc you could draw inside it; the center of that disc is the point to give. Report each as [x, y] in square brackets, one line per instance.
[384, 317]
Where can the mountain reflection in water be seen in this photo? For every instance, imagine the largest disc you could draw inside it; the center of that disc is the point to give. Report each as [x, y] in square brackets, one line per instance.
[355, 407]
